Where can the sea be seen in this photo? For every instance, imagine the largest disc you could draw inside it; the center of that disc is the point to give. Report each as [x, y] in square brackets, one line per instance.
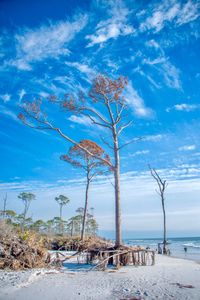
[176, 246]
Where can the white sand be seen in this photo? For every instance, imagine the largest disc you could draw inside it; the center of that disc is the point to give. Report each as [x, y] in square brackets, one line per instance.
[152, 282]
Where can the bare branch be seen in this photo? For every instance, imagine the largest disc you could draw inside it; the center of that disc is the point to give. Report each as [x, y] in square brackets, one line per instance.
[106, 143]
[119, 113]
[122, 127]
[130, 142]
[95, 122]
[97, 114]
[59, 131]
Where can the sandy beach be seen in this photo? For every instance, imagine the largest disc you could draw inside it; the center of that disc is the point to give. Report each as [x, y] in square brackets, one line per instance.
[170, 278]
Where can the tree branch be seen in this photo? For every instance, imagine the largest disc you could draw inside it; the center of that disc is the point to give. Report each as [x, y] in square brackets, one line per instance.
[105, 142]
[124, 126]
[59, 131]
[129, 142]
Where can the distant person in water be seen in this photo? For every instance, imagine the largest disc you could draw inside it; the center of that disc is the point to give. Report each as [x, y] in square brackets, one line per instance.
[185, 249]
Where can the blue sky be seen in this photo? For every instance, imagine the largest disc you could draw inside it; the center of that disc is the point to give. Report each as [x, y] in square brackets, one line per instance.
[56, 47]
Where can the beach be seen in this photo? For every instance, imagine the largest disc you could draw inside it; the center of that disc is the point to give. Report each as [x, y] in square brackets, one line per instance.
[169, 278]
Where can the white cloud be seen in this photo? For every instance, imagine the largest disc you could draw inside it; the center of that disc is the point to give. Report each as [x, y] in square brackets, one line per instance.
[188, 13]
[137, 103]
[83, 68]
[83, 120]
[5, 97]
[153, 138]
[182, 199]
[148, 77]
[143, 152]
[161, 14]
[170, 11]
[184, 107]
[33, 45]
[187, 148]
[169, 72]
[21, 94]
[8, 113]
[113, 27]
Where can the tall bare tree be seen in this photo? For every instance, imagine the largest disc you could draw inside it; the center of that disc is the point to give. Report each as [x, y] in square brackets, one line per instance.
[26, 199]
[106, 95]
[162, 185]
[4, 205]
[62, 201]
[91, 165]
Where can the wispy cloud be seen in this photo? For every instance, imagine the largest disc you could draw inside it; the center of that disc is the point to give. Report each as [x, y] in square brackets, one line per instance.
[5, 97]
[170, 74]
[189, 12]
[153, 138]
[83, 68]
[184, 107]
[142, 152]
[115, 26]
[47, 41]
[8, 113]
[21, 94]
[83, 120]
[187, 148]
[183, 184]
[137, 103]
[170, 11]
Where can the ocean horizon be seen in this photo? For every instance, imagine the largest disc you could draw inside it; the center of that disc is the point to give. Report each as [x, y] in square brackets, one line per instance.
[176, 246]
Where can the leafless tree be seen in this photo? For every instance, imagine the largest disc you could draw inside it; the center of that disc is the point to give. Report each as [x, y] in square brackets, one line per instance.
[4, 205]
[162, 185]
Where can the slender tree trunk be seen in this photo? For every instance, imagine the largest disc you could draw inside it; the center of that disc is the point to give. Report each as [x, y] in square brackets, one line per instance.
[118, 238]
[72, 228]
[24, 215]
[164, 228]
[85, 209]
[61, 212]
[4, 206]
[61, 224]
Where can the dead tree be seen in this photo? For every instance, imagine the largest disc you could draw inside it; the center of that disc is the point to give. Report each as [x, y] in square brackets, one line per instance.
[4, 206]
[107, 95]
[162, 185]
[91, 165]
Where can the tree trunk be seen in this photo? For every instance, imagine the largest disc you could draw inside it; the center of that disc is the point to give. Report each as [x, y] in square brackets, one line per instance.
[118, 238]
[61, 212]
[24, 216]
[164, 228]
[4, 206]
[61, 224]
[72, 228]
[85, 209]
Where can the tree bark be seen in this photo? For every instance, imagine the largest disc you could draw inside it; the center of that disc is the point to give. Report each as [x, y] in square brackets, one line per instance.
[72, 228]
[61, 225]
[85, 209]
[118, 238]
[4, 206]
[164, 228]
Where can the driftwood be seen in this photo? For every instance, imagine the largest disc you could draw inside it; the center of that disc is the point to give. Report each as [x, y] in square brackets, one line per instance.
[104, 257]
[127, 257]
